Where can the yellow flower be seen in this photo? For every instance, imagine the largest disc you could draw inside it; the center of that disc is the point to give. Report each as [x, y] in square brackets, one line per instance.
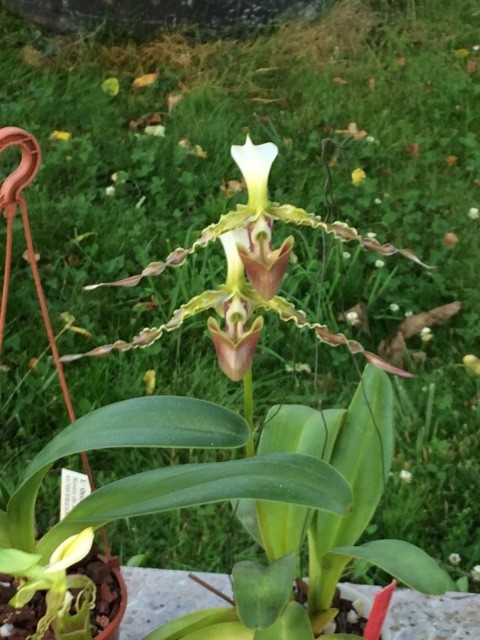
[358, 177]
[472, 364]
[60, 135]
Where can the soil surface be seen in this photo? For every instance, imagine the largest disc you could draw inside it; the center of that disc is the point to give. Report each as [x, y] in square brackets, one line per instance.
[23, 622]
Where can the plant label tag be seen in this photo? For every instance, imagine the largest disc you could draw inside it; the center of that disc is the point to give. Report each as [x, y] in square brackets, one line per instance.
[74, 488]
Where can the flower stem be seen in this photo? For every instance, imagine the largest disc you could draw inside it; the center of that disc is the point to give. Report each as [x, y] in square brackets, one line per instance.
[248, 409]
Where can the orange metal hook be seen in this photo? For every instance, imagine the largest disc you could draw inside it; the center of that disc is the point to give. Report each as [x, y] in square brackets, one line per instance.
[10, 192]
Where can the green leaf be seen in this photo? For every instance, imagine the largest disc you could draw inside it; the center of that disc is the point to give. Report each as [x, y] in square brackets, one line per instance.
[157, 421]
[293, 624]
[195, 621]
[299, 429]
[405, 562]
[222, 631]
[261, 592]
[16, 562]
[363, 453]
[4, 537]
[295, 478]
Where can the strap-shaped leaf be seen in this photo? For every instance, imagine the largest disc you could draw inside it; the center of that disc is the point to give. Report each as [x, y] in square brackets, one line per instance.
[299, 429]
[363, 453]
[405, 562]
[157, 421]
[262, 591]
[196, 620]
[295, 478]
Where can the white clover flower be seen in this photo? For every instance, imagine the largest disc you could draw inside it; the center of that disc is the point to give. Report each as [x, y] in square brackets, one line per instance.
[352, 317]
[377, 201]
[473, 213]
[110, 191]
[408, 314]
[394, 307]
[426, 334]
[405, 476]
[454, 558]
[379, 264]
[370, 139]
[346, 255]
[476, 47]
[371, 235]
[475, 573]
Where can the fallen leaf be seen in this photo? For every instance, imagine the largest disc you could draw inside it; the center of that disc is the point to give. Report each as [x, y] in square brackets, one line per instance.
[371, 84]
[157, 130]
[4, 368]
[172, 100]
[339, 81]
[451, 160]
[401, 62]
[26, 257]
[354, 131]
[149, 379]
[194, 150]
[393, 349]
[111, 86]
[360, 315]
[413, 149]
[32, 363]
[450, 239]
[60, 135]
[462, 53]
[33, 57]
[472, 66]
[439, 315]
[146, 121]
[146, 80]
[232, 186]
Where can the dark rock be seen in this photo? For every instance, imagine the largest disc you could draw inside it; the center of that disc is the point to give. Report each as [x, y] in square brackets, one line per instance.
[145, 16]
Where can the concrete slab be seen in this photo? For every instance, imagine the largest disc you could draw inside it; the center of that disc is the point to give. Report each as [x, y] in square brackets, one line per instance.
[157, 596]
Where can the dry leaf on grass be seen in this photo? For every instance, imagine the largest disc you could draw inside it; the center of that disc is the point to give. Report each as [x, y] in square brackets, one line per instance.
[232, 186]
[354, 131]
[146, 121]
[393, 349]
[414, 324]
[146, 80]
[357, 316]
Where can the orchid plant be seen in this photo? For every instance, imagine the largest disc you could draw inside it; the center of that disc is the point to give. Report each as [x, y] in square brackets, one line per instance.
[356, 442]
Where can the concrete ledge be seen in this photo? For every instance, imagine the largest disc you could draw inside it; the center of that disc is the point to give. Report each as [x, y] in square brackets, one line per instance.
[157, 596]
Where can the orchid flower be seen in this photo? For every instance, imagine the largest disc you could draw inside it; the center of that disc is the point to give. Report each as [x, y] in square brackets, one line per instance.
[53, 579]
[246, 235]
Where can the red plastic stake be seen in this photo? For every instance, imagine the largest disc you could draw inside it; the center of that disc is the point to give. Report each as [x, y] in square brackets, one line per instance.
[11, 197]
[379, 611]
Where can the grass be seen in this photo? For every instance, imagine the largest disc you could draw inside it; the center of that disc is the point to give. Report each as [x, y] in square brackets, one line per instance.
[400, 75]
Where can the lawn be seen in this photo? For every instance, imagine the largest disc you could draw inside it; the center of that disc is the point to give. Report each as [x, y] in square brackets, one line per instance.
[396, 91]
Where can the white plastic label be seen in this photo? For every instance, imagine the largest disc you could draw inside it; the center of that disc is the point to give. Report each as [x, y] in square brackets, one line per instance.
[74, 488]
